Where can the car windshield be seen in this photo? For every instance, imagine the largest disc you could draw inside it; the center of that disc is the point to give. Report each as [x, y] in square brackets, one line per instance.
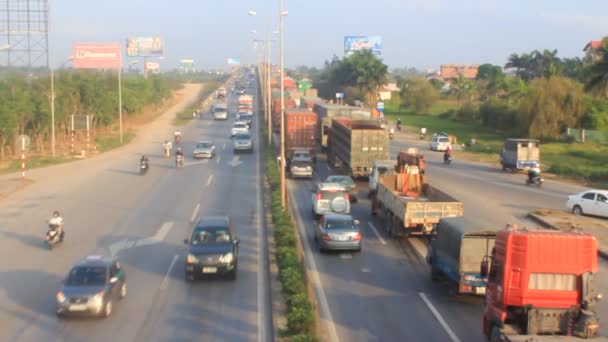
[340, 224]
[210, 235]
[204, 145]
[299, 163]
[240, 125]
[443, 140]
[338, 179]
[382, 170]
[331, 194]
[87, 276]
[243, 136]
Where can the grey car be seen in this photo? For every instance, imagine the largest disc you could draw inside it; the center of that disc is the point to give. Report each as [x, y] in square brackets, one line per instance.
[348, 183]
[204, 149]
[91, 287]
[243, 142]
[338, 232]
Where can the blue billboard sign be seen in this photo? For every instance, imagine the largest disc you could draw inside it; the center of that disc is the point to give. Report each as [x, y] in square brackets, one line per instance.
[359, 43]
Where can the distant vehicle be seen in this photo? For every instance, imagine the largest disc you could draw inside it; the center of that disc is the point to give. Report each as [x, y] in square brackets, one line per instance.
[439, 143]
[92, 287]
[457, 249]
[222, 92]
[213, 248]
[243, 142]
[245, 117]
[330, 198]
[301, 168]
[204, 149]
[240, 91]
[520, 154]
[239, 127]
[590, 202]
[348, 183]
[220, 111]
[338, 232]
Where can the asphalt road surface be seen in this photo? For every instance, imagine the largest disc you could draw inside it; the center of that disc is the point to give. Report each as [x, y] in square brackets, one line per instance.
[110, 209]
[385, 292]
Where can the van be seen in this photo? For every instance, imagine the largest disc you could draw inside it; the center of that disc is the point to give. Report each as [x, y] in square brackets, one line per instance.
[439, 143]
[220, 111]
[520, 154]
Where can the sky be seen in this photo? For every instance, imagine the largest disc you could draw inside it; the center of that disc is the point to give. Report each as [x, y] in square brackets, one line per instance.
[415, 33]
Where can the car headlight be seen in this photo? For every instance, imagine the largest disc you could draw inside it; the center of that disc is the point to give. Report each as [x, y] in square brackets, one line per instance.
[227, 258]
[60, 297]
[191, 259]
[98, 298]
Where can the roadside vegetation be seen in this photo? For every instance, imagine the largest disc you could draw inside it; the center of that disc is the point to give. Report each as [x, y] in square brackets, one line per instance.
[185, 115]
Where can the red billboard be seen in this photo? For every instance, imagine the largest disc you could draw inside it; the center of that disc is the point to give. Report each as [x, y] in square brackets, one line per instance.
[96, 56]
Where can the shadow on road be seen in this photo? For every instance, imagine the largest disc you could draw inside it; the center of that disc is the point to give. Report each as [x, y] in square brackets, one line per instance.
[28, 240]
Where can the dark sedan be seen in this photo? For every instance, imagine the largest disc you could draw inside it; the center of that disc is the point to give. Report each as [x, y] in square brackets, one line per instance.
[212, 248]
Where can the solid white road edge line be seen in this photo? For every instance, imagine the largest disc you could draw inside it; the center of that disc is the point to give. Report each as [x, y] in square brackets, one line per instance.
[209, 179]
[439, 318]
[195, 212]
[308, 255]
[219, 159]
[224, 146]
[261, 276]
[371, 225]
[165, 282]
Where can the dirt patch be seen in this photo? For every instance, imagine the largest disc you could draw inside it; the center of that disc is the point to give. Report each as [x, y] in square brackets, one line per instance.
[12, 185]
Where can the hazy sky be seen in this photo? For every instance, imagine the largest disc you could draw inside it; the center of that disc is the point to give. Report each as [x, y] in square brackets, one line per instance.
[419, 33]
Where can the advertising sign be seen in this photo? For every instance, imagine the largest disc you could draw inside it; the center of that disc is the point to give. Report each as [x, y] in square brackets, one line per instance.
[380, 106]
[186, 63]
[96, 56]
[359, 43]
[144, 47]
[153, 66]
[234, 61]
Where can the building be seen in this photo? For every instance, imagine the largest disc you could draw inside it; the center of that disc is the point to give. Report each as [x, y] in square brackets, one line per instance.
[593, 51]
[386, 91]
[450, 72]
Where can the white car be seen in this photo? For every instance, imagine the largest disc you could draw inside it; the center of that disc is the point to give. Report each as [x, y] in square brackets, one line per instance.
[439, 143]
[590, 202]
[330, 198]
[239, 127]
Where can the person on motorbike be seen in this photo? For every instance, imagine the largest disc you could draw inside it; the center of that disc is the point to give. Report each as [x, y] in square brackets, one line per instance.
[56, 222]
[532, 173]
[167, 146]
[447, 154]
[391, 132]
[143, 159]
[179, 154]
[399, 124]
[422, 132]
[178, 136]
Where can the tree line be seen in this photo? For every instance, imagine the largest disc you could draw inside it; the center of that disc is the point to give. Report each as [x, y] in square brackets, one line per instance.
[25, 103]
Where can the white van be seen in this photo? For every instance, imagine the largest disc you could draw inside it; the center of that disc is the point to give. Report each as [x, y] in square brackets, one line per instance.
[439, 143]
[220, 111]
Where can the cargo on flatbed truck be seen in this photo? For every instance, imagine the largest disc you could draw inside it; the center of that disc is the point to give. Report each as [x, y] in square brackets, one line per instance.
[355, 144]
[541, 284]
[327, 112]
[457, 249]
[300, 132]
[406, 215]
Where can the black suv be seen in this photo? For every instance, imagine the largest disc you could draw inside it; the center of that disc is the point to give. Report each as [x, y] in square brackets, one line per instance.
[91, 287]
[212, 248]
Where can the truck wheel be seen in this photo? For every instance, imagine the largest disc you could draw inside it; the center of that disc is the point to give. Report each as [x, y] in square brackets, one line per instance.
[434, 274]
[495, 334]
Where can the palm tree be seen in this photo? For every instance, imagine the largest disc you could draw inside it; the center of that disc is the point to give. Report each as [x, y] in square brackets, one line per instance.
[519, 62]
[371, 74]
[463, 88]
[598, 80]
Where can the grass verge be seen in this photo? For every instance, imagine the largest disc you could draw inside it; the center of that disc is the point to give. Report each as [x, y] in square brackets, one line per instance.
[300, 316]
[185, 116]
[111, 141]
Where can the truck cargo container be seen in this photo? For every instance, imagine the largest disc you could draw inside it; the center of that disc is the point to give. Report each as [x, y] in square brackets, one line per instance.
[355, 144]
[300, 132]
[458, 248]
[520, 154]
[328, 111]
[406, 215]
[276, 110]
[541, 286]
[244, 100]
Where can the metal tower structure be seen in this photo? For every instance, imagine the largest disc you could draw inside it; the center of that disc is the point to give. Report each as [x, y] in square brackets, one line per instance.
[24, 33]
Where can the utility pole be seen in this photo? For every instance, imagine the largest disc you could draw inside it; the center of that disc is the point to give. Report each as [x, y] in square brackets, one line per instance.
[53, 111]
[282, 67]
[268, 94]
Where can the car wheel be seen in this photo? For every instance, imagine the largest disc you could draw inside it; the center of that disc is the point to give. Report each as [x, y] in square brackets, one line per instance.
[123, 291]
[577, 210]
[189, 277]
[232, 275]
[107, 309]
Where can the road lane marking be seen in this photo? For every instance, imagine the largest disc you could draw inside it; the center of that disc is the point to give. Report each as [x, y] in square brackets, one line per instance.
[224, 146]
[365, 270]
[439, 318]
[308, 255]
[346, 256]
[328, 168]
[158, 237]
[119, 246]
[371, 225]
[219, 158]
[165, 282]
[196, 209]
[210, 179]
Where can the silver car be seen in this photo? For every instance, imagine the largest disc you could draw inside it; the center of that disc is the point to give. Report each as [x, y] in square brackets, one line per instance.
[204, 149]
[243, 142]
[301, 167]
[338, 232]
[330, 198]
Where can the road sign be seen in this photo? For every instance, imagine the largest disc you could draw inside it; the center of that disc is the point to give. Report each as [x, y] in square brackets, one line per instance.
[339, 95]
[24, 142]
[380, 106]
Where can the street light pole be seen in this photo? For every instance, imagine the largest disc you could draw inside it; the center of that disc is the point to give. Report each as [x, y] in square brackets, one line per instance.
[53, 111]
[282, 67]
[268, 94]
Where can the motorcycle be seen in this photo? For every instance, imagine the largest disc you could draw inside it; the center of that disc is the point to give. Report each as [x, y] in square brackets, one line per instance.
[422, 136]
[391, 134]
[53, 237]
[167, 153]
[536, 180]
[179, 161]
[447, 159]
[143, 167]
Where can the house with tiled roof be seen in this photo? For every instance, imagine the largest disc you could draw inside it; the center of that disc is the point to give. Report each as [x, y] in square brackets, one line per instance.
[450, 72]
[593, 51]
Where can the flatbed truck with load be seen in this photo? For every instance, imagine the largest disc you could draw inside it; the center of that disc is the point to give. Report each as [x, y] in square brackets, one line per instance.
[410, 207]
[541, 286]
[354, 145]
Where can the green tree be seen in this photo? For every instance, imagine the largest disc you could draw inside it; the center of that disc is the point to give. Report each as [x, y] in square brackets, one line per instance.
[597, 81]
[521, 63]
[369, 74]
[418, 93]
[463, 89]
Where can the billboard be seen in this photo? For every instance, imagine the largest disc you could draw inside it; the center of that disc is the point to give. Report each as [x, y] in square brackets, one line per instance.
[234, 61]
[359, 43]
[186, 63]
[144, 47]
[153, 67]
[96, 56]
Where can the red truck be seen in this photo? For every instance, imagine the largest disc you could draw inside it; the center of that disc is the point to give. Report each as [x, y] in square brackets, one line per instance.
[300, 131]
[276, 111]
[540, 286]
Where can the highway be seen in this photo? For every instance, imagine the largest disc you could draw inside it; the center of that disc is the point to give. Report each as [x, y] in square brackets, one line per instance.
[110, 209]
[385, 293]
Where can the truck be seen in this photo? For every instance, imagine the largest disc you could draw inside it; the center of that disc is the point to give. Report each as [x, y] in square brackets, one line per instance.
[245, 101]
[327, 112]
[379, 168]
[412, 211]
[355, 144]
[411, 156]
[456, 250]
[541, 286]
[300, 132]
[276, 111]
[520, 154]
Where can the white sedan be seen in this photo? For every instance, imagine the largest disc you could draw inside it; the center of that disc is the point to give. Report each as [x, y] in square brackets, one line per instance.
[590, 202]
[239, 127]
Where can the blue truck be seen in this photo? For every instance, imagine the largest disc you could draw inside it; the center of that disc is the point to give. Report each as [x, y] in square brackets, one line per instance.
[456, 251]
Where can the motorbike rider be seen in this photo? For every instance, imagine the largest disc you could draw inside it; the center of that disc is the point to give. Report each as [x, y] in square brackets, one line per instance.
[399, 124]
[391, 132]
[144, 160]
[423, 132]
[167, 146]
[448, 153]
[179, 153]
[532, 173]
[178, 136]
[56, 221]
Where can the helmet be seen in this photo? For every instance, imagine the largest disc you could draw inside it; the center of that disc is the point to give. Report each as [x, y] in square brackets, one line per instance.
[179, 148]
[56, 213]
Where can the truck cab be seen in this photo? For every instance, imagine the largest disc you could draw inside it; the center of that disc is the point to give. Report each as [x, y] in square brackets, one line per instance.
[379, 168]
[540, 282]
